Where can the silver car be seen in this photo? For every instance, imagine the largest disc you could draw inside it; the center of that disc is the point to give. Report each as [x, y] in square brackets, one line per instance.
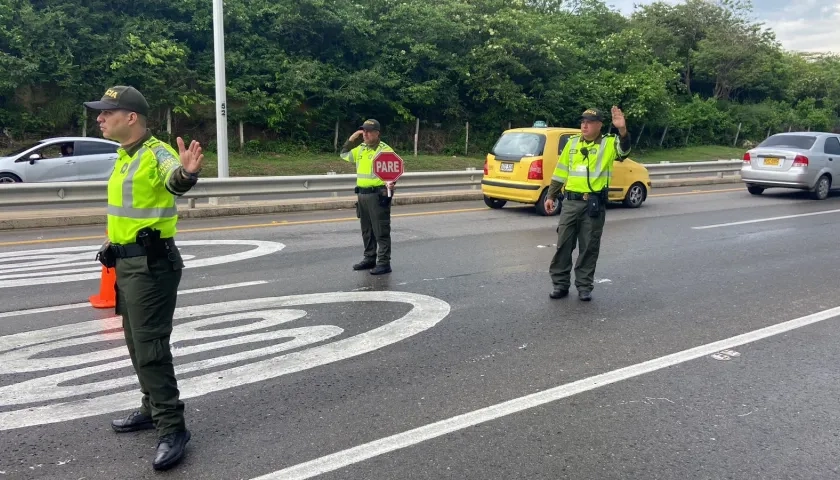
[63, 159]
[802, 160]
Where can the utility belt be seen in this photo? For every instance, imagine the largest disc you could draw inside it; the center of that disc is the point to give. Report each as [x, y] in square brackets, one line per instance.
[595, 201]
[369, 189]
[149, 244]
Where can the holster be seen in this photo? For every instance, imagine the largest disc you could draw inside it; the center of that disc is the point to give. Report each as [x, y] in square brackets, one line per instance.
[384, 199]
[106, 256]
[595, 203]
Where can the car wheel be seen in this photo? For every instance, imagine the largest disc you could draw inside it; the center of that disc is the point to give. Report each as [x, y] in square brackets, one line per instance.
[635, 195]
[494, 202]
[822, 188]
[755, 190]
[540, 206]
[9, 178]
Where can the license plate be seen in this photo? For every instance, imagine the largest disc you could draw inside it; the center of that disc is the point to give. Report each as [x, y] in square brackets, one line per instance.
[771, 161]
[507, 167]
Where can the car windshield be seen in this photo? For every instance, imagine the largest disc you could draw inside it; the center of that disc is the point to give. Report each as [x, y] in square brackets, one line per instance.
[804, 142]
[18, 151]
[519, 144]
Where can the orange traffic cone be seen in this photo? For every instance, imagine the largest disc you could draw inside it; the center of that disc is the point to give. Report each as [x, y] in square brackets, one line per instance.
[107, 296]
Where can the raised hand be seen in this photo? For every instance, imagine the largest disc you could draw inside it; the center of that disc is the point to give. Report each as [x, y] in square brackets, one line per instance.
[191, 157]
[618, 118]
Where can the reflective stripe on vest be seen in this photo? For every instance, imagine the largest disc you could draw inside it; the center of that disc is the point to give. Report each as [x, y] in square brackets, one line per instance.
[364, 166]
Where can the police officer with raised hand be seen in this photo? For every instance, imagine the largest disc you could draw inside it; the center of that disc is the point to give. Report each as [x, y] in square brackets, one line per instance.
[582, 175]
[374, 203]
[148, 175]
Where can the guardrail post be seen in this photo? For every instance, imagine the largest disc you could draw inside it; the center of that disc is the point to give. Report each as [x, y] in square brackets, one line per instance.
[333, 194]
[667, 177]
[472, 178]
[191, 203]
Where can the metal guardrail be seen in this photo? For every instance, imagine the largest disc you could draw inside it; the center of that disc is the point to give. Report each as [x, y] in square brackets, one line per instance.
[14, 194]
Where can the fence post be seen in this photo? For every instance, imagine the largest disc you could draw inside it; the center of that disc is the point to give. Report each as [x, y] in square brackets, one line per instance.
[169, 121]
[335, 141]
[416, 135]
[735, 143]
[84, 121]
[688, 136]
[241, 135]
[768, 132]
[662, 140]
[640, 135]
[467, 141]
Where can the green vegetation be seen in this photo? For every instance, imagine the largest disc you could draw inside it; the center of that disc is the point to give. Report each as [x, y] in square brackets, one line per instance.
[685, 74]
[688, 154]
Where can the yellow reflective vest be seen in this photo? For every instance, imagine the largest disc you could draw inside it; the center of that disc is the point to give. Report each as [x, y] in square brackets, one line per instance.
[137, 192]
[363, 156]
[585, 166]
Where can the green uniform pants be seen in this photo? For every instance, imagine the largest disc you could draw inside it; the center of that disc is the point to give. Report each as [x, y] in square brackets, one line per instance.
[146, 297]
[577, 226]
[376, 227]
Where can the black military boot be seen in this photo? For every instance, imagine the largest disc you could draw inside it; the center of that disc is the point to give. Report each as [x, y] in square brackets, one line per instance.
[559, 292]
[135, 421]
[585, 296]
[365, 264]
[381, 269]
[170, 450]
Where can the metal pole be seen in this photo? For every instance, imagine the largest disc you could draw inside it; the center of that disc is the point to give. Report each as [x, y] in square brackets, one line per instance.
[735, 143]
[416, 135]
[221, 94]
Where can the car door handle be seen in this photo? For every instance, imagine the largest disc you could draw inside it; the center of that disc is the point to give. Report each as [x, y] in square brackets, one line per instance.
[70, 162]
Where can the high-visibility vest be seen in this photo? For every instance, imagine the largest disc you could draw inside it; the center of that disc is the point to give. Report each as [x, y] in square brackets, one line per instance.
[137, 194]
[574, 168]
[363, 156]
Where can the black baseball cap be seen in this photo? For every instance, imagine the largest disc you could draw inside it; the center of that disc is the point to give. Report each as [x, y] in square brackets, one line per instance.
[371, 124]
[121, 98]
[592, 114]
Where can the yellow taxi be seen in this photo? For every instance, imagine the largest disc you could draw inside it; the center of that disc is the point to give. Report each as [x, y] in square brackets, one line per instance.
[520, 166]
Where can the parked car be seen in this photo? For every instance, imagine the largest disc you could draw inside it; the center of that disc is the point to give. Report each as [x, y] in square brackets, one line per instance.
[520, 166]
[801, 160]
[62, 159]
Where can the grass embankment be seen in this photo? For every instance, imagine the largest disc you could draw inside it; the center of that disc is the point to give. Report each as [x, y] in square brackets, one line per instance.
[268, 164]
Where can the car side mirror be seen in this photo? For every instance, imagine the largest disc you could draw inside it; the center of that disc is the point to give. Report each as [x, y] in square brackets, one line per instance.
[33, 157]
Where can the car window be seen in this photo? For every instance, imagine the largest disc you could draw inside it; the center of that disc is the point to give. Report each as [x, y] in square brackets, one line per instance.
[564, 139]
[56, 150]
[94, 148]
[804, 142]
[18, 151]
[519, 144]
[832, 146]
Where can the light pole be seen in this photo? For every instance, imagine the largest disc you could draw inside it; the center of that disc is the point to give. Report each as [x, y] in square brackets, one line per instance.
[221, 94]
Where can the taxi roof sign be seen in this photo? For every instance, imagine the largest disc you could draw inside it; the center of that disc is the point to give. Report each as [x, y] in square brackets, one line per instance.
[540, 124]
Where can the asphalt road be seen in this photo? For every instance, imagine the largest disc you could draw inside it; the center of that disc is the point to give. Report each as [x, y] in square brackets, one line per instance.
[457, 365]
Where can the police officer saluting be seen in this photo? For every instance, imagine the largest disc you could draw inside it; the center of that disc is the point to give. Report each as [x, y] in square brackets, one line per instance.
[374, 204]
[583, 175]
[142, 216]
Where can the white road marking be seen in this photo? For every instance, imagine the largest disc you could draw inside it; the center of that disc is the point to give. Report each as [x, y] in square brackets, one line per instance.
[770, 219]
[82, 391]
[19, 263]
[412, 437]
[73, 306]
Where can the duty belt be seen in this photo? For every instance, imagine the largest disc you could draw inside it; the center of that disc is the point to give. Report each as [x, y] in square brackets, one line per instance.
[576, 196]
[368, 190]
[136, 250]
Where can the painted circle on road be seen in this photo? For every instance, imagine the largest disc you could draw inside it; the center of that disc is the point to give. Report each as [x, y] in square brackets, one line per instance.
[72, 264]
[201, 328]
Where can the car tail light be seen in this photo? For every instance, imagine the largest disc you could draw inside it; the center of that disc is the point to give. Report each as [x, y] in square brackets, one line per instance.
[485, 166]
[800, 161]
[747, 157]
[535, 171]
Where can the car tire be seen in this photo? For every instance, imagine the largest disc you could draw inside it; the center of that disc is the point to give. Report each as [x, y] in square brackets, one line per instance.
[540, 205]
[9, 178]
[822, 188]
[755, 189]
[494, 202]
[636, 195]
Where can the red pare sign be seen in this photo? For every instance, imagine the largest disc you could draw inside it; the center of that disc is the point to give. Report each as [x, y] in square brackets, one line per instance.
[388, 166]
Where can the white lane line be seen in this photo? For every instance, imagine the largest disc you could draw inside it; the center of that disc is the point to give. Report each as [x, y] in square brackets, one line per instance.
[770, 219]
[72, 306]
[409, 438]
